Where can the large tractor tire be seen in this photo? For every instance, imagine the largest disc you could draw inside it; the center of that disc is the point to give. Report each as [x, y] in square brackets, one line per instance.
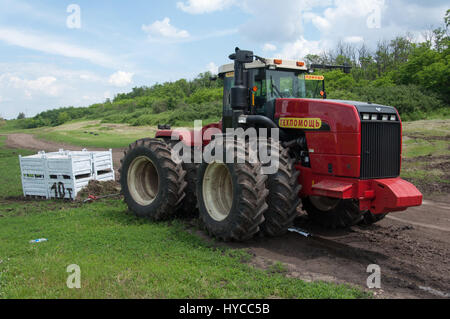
[153, 185]
[333, 212]
[283, 198]
[232, 197]
[188, 206]
[370, 219]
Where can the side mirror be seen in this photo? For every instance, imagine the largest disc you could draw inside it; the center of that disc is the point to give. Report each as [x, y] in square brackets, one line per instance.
[213, 78]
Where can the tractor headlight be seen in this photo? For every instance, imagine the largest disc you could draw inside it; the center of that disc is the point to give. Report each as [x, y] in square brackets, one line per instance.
[366, 117]
[385, 117]
[374, 117]
[242, 119]
[393, 118]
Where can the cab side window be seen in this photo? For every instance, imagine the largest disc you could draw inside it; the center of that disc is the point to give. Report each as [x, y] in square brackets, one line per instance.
[228, 84]
[260, 82]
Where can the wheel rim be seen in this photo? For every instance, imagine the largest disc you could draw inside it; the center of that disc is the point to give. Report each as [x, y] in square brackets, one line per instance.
[218, 191]
[143, 180]
[325, 204]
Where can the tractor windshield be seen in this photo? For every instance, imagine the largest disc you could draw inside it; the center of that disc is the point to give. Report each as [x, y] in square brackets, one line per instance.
[273, 84]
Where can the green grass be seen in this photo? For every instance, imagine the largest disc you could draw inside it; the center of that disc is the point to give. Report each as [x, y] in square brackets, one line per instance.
[426, 152]
[10, 126]
[121, 256]
[422, 147]
[436, 127]
[95, 134]
[10, 170]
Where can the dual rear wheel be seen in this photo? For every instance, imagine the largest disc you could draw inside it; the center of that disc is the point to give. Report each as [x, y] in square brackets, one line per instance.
[235, 200]
[238, 200]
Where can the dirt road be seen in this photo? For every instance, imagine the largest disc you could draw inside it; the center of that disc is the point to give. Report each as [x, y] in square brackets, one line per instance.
[412, 248]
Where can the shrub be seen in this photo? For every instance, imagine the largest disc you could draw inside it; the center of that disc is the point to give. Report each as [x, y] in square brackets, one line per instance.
[411, 101]
[205, 96]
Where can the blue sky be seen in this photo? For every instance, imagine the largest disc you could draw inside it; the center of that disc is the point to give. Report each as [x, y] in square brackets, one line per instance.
[123, 44]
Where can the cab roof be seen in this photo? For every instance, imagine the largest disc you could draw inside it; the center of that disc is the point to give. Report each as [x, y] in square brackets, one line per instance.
[271, 63]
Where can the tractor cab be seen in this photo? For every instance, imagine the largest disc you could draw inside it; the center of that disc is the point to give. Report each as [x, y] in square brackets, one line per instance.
[269, 80]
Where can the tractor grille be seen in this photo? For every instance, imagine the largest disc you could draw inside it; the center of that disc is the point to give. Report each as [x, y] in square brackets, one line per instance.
[380, 149]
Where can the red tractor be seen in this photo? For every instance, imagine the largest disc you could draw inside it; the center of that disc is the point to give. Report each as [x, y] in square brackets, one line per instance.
[340, 159]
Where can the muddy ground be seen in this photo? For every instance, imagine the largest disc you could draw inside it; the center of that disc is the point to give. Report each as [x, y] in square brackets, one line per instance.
[412, 248]
[439, 163]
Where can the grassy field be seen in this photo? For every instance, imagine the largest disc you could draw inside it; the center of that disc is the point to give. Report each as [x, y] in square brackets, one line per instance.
[121, 256]
[427, 155]
[96, 134]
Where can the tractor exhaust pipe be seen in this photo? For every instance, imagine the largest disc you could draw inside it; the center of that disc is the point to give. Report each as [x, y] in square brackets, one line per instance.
[240, 92]
[261, 120]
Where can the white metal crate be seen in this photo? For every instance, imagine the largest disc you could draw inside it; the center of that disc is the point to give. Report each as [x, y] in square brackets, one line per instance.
[63, 174]
[103, 166]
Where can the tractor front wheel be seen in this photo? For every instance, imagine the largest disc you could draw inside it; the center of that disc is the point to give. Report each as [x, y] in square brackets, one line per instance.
[370, 219]
[333, 212]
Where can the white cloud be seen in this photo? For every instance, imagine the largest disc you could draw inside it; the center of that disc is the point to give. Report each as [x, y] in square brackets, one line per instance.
[42, 85]
[300, 48]
[353, 39]
[32, 90]
[268, 47]
[45, 44]
[346, 14]
[318, 21]
[163, 29]
[121, 78]
[336, 20]
[353, 20]
[270, 21]
[90, 77]
[204, 6]
[107, 95]
[213, 68]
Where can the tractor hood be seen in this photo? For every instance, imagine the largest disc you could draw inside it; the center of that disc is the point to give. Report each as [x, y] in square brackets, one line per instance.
[365, 107]
[331, 115]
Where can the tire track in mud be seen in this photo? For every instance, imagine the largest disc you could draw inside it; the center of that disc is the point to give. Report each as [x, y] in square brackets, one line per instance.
[411, 267]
